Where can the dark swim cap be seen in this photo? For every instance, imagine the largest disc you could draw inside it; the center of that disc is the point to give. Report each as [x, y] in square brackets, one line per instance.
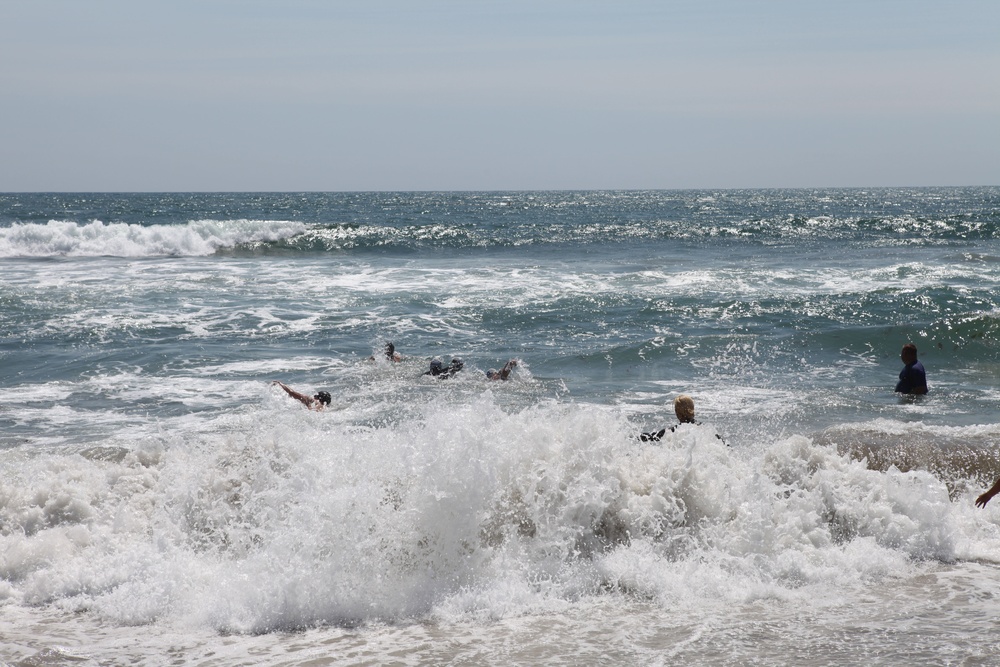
[323, 397]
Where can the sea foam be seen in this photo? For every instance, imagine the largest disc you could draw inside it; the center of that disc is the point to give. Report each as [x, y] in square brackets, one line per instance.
[60, 238]
[292, 519]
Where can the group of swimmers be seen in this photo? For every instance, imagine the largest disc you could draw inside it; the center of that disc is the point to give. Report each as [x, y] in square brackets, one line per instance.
[683, 404]
[442, 372]
[912, 380]
[438, 369]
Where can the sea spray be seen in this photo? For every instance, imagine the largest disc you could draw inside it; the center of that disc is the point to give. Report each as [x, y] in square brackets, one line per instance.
[298, 519]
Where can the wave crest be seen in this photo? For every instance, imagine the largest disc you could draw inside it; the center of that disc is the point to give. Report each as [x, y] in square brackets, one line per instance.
[60, 238]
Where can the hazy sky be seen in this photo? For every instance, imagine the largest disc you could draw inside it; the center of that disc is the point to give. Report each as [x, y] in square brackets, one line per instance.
[183, 95]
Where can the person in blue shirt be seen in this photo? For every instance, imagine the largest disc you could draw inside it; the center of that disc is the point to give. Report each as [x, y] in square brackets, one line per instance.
[913, 378]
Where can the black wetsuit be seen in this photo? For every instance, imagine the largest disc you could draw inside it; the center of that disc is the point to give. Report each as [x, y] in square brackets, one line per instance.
[442, 372]
[656, 436]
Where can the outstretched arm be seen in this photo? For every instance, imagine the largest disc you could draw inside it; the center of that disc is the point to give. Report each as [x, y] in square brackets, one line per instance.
[306, 400]
[985, 498]
[507, 368]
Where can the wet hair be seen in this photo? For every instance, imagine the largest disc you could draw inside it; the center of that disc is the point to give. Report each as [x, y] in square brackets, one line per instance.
[389, 350]
[436, 367]
[684, 409]
[323, 397]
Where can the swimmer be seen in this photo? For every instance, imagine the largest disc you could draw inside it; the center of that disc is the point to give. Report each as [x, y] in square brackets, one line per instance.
[440, 371]
[503, 373]
[684, 409]
[390, 354]
[316, 402]
[985, 498]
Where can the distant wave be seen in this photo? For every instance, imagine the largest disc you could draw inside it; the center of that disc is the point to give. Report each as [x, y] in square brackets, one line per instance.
[338, 237]
[185, 225]
[60, 238]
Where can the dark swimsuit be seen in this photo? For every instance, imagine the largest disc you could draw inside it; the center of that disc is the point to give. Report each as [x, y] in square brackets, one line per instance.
[656, 436]
[442, 372]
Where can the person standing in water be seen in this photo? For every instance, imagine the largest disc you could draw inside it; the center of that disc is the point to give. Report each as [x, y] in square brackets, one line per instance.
[913, 378]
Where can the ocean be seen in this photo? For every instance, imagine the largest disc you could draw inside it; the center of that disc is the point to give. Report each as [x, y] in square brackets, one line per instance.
[162, 501]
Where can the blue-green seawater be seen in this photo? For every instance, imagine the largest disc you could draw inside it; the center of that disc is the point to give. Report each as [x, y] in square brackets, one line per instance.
[149, 465]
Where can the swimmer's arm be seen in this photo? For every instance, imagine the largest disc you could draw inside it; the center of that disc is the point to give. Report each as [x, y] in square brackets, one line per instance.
[306, 400]
[507, 368]
[656, 436]
[985, 498]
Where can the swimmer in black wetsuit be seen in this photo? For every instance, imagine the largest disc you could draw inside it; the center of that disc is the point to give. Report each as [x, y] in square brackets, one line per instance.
[442, 372]
[684, 409]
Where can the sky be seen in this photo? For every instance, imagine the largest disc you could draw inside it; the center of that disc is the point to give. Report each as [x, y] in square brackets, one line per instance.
[377, 95]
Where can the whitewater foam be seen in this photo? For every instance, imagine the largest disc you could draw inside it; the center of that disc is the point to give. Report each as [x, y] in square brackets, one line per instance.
[336, 523]
[62, 238]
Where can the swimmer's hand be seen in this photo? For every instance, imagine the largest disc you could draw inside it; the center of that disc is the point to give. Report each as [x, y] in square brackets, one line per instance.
[985, 498]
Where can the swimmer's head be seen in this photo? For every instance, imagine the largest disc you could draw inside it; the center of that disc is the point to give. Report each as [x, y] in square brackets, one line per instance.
[457, 363]
[684, 409]
[436, 366]
[323, 397]
[492, 373]
[390, 349]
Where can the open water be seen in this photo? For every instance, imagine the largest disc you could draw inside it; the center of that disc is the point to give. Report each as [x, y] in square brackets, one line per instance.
[161, 502]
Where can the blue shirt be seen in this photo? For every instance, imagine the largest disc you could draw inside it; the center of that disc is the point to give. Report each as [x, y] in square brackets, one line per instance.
[912, 379]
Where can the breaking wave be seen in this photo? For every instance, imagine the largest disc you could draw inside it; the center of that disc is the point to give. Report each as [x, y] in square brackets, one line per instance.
[59, 238]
